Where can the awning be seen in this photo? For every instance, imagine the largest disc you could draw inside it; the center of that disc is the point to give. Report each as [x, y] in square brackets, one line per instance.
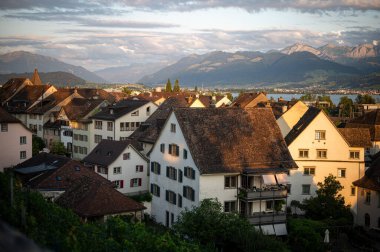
[282, 178]
[267, 229]
[269, 180]
[280, 229]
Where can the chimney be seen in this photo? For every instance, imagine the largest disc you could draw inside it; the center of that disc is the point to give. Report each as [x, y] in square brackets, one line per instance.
[36, 78]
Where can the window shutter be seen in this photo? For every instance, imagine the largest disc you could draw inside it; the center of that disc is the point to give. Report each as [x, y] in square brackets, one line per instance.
[167, 195]
[159, 169]
[141, 168]
[192, 173]
[121, 183]
[179, 200]
[151, 166]
[192, 194]
[131, 182]
[180, 176]
[170, 149]
[184, 192]
[139, 181]
[175, 174]
[167, 171]
[158, 191]
[177, 150]
[174, 198]
[151, 188]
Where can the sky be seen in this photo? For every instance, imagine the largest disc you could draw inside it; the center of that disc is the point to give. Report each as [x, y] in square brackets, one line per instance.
[104, 33]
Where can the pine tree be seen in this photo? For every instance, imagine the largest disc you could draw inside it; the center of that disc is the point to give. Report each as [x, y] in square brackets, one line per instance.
[176, 86]
[168, 87]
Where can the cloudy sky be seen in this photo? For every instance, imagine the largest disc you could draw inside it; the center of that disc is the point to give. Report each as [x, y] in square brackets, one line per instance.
[103, 33]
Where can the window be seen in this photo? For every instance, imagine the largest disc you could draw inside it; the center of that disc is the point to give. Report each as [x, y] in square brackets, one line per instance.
[102, 170]
[179, 200]
[229, 206]
[353, 191]
[4, 127]
[172, 127]
[110, 126]
[230, 181]
[174, 150]
[162, 148]
[320, 135]
[341, 172]
[98, 138]
[76, 149]
[23, 140]
[368, 197]
[303, 153]
[354, 154]
[123, 138]
[126, 156]
[84, 150]
[306, 189]
[171, 197]
[321, 153]
[76, 136]
[309, 171]
[135, 182]
[155, 190]
[289, 188]
[22, 154]
[167, 219]
[139, 168]
[184, 154]
[180, 175]
[171, 172]
[189, 172]
[188, 193]
[39, 127]
[117, 170]
[269, 205]
[155, 168]
[172, 218]
[119, 183]
[98, 124]
[109, 138]
[135, 113]
[122, 127]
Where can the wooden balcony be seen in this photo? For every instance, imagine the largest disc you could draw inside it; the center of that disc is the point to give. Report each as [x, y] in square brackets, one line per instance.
[266, 217]
[257, 194]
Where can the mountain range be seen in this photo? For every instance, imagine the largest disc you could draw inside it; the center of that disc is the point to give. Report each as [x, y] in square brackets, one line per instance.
[294, 66]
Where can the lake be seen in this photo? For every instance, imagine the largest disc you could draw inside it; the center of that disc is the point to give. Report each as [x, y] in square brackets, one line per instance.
[335, 98]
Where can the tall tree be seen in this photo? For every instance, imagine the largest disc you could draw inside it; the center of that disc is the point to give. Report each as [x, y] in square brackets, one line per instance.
[58, 148]
[168, 87]
[345, 106]
[365, 99]
[37, 145]
[176, 86]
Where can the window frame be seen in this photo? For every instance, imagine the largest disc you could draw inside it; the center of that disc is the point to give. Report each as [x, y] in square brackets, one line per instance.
[109, 126]
[139, 168]
[303, 192]
[22, 154]
[173, 127]
[98, 124]
[228, 182]
[4, 127]
[22, 140]
[127, 156]
[171, 197]
[171, 172]
[309, 169]
[302, 152]
[174, 150]
[155, 190]
[155, 167]
[228, 206]
[354, 156]
[189, 172]
[320, 151]
[340, 174]
[97, 137]
[320, 135]
[188, 193]
[367, 197]
[117, 170]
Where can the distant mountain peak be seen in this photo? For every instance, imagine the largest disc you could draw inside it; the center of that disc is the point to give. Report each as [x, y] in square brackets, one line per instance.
[300, 47]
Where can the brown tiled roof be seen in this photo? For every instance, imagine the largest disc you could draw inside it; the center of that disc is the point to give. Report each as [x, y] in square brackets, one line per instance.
[22, 101]
[371, 179]
[150, 129]
[357, 137]
[10, 87]
[121, 108]
[233, 139]
[5, 117]
[107, 151]
[301, 125]
[63, 177]
[244, 99]
[208, 101]
[51, 101]
[93, 93]
[370, 120]
[119, 95]
[96, 198]
[78, 108]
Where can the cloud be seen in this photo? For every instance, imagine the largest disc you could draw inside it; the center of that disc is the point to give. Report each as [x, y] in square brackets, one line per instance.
[189, 5]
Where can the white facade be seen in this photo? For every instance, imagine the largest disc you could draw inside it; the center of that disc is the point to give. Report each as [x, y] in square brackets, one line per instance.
[15, 144]
[132, 171]
[290, 118]
[336, 160]
[368, 208]
[81, 140]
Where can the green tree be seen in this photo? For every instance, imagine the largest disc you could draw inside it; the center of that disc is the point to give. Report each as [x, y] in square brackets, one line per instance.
[37, 145]
[176, 86]
[126, 90]
[168, 87]
[58, 148]
[306, 235]
[308, 97]
[212, 227]
[325, 98]
[329, 203]
[364, 99]
[345, 106]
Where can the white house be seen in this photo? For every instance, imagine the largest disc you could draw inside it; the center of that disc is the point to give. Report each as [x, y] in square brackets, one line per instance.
[229, 154]
[117, 122]
[15, 141]
[122, 163]
[320, 149]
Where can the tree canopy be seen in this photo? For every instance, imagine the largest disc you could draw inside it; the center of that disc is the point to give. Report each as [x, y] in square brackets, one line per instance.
[58, 148]
[176, 86]
[364, 99]
[168, 87]
[37, 145]
[345, 105]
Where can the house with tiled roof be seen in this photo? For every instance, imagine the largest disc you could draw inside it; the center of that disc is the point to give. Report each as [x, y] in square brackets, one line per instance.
[237, 156]
[149, 130]
[369, 196]
[94, 199]
[12, 87]
[371, 121]
[122, 163]
[118, 121]
[249, 100]
[320, 149]
[15, 141]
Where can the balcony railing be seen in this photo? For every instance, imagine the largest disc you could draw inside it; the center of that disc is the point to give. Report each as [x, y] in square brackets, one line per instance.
[263, 193]
[266, 217]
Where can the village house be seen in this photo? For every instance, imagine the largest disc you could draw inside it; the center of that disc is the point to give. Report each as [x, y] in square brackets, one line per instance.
[320, 149]
[121, 163]
[117, 122]
[15, 141]
[369, 196]
[230, 154]
[249, 100]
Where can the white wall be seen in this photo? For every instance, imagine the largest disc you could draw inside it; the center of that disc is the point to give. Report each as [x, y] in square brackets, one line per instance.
[373, 209]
